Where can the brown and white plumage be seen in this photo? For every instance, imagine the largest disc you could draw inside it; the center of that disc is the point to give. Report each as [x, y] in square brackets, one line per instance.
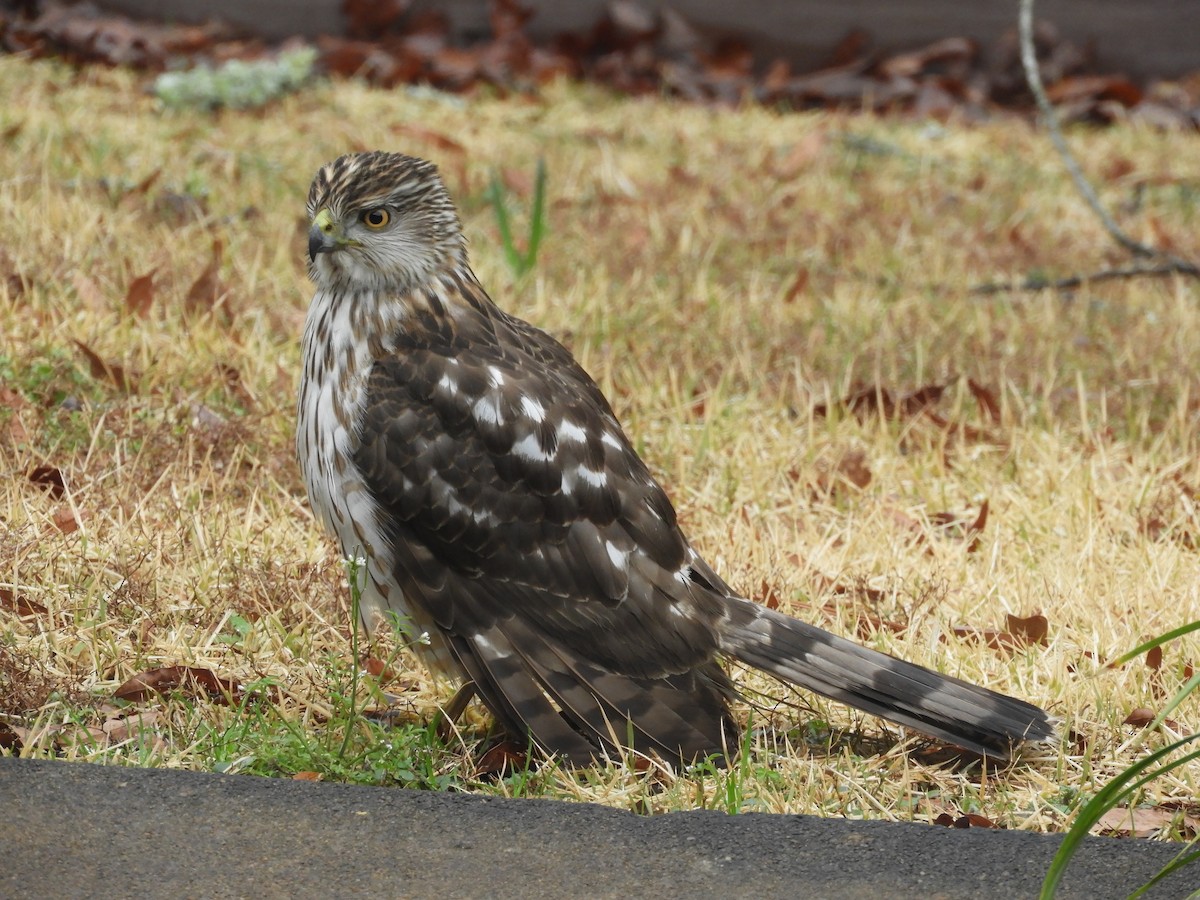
[501, 510]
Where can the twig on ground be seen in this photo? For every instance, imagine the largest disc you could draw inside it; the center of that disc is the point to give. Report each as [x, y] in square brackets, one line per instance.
[1170, 264]
[1069, 282]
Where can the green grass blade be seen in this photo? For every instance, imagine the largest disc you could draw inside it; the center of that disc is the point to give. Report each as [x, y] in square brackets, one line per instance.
[1183, 859]
[353, 568]
[1156, 642]
[495, 196]
[1107, 798]
[537, 223]
[519, 262]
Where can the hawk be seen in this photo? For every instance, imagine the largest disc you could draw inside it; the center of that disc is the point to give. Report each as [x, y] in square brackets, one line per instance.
[504, 518]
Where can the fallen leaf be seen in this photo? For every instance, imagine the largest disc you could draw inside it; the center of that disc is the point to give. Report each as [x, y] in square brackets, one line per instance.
[974, 820]
[1154, 658]
[65, 520]
[308, 776]
[506, 756]
[379, 670]
[767, 595]
[50, 479]
[1140, 717]
[798, 287]
[1031, 630]
[850, 469]
[986, 399]
[110, 372]
[1144, 822]
[140, 295]
[1028, 631]
[190, 680]
[20, 605]
[207, 292]
[123, 726]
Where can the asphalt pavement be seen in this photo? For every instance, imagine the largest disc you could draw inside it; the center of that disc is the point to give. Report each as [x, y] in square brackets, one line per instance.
[77, 830]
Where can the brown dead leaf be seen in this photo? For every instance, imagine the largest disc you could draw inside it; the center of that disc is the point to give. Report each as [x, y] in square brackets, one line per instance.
[877, 400]
[767, 595]
[501, 758]
[140, 295]
[308, 776]
[110, 372]
[1145, 822]
[121, 727]
[1030, 630]
[798, 286]
[851, 470]
[49, 479]
[193, 681]
[65, 520]
[1093, 89]
[952, 525]
[208, 293]
[969, 820]
[916, 62]
[1154, 658]
[1140, 717]
[378, 670]
[20, 605]
[986, 399]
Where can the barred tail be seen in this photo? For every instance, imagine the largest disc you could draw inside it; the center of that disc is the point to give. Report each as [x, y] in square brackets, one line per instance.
[942, 706]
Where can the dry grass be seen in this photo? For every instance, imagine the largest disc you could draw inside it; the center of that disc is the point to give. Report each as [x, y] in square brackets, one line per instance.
[721, 273]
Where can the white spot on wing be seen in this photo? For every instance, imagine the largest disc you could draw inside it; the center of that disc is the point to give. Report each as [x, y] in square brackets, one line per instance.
[612, 440]
[495, 376]
[532, 408]
[618, 556]
[529, 447]
[484, 644]
[573, 476]
[592, 477]
[448, 384]
[569, 431]
[487, 410]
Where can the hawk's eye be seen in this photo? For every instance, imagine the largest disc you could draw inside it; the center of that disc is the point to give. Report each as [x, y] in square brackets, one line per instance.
[376, 218]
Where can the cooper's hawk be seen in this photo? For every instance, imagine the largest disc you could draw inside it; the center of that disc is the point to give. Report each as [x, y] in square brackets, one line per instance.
[501, 510]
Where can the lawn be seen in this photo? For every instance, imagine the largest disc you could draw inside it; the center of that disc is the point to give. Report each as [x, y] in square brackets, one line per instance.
[730, 277]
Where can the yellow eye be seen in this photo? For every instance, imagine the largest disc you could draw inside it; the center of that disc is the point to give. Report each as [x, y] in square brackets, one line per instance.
[376, 218]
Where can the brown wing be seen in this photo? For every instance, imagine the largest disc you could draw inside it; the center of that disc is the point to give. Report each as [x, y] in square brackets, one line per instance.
[538, 541]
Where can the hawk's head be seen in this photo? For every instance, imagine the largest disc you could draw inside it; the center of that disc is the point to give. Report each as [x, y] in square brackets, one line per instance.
[380, 221]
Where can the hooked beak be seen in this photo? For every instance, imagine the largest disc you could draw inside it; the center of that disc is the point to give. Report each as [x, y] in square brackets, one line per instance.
[324, 236]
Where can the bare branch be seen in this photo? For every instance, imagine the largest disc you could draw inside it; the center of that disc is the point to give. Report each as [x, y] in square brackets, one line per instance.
[1034, 77]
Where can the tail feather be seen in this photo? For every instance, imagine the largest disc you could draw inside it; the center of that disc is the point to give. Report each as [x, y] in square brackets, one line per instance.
[942, 706]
